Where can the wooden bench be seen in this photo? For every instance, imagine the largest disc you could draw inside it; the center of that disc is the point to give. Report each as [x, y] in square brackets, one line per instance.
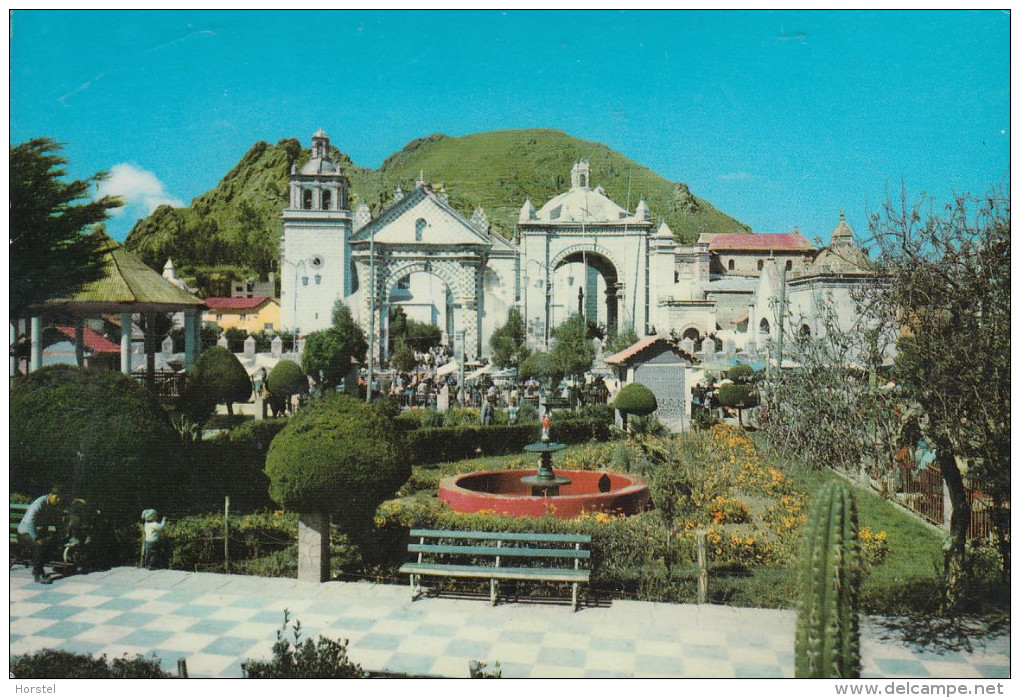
[18, 554]
[499, 548]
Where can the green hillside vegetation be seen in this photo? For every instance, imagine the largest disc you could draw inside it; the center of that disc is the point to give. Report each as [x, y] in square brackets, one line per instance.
[233, 230]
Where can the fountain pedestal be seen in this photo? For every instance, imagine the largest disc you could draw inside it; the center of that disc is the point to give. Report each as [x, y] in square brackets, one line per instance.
[545, 483]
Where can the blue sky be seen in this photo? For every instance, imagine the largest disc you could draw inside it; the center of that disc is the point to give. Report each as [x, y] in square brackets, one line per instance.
[780, 119]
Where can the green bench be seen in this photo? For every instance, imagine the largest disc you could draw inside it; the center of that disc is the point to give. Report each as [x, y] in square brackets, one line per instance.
[20, 556]
[498, 556]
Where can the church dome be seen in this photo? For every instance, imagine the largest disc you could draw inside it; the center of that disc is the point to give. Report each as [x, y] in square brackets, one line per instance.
[582, 205]
[317, 166]
[842, 256]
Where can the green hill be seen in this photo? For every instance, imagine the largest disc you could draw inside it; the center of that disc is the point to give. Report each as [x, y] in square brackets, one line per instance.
[233, 230]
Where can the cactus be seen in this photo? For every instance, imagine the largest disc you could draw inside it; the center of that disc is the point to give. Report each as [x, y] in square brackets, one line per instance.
[828, 638]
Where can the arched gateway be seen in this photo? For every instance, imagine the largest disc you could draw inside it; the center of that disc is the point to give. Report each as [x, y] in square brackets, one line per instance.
[582, 252]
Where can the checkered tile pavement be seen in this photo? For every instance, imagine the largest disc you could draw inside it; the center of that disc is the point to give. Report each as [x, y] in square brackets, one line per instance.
[216, 621]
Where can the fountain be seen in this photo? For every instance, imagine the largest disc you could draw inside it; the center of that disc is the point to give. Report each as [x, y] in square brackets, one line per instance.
[564, 493]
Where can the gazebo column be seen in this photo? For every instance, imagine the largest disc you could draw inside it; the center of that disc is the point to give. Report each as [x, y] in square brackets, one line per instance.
[79, 341]
[14, 358]
[35, 362]
[150, 350]
[191, 337]
[125, 343]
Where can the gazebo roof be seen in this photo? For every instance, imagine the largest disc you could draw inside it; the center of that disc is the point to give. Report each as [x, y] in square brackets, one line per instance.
[127, 285]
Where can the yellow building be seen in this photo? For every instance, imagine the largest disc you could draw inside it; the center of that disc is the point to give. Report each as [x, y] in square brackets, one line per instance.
[248, 314]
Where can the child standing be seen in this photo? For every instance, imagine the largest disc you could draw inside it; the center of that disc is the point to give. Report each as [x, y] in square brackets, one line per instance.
[153, 539]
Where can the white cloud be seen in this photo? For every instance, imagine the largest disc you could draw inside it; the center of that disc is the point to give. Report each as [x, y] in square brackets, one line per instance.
[736, 176]
[141, 190]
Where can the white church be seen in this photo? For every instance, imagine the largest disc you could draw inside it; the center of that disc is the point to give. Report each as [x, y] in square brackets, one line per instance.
[578, 252]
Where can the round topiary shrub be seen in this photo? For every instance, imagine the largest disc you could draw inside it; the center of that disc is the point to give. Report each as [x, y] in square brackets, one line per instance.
[635, 398]
[738, 395]
[741, 373]
[217, 377]
[337, 456]
[287, 378]
[97, 432]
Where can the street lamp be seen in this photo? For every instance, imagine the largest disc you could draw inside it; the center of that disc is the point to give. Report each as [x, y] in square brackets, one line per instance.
[296, 265]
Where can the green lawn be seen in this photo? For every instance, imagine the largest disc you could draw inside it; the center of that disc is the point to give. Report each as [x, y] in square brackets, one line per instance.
[906, 582]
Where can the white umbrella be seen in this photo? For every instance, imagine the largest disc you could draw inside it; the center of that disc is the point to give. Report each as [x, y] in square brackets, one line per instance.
[479, 373]
[447, 368]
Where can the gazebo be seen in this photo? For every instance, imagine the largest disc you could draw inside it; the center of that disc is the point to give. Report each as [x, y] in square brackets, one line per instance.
[127, 287]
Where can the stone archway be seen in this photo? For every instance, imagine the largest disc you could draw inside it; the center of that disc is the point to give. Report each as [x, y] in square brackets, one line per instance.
[599, 277]
[462, 278]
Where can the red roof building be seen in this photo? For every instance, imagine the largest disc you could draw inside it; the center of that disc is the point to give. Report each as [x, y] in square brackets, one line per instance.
[257, 314]
[94, 342]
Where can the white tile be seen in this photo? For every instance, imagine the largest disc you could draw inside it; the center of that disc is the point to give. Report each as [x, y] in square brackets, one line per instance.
[951, 670]
[658, 649]
[548, 671]
[94, 615]
[33, 643]
[419, 644]
[159, 608]
[569, 640]
[21, 609]
[708, 668]
[173, 624]
[29, 626]
[186, 642]
[451, 667]
[513, 652]
[622, 662]
[235, 614]
[102, 634]
[254, 631]
[212, 665]
[214, 599]
[86, 601]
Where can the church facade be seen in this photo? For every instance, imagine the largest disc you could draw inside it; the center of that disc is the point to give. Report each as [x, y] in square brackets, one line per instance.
[578, 252]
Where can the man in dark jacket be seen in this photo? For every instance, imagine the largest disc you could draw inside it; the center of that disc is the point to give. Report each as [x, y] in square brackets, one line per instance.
[33, 532]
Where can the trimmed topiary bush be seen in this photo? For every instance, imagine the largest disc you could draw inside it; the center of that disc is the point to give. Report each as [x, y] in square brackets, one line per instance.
[741, 373]
[99, 433]
[738, 395]
[337, 456]
[635, 398]
[287, 378]
[216, 377]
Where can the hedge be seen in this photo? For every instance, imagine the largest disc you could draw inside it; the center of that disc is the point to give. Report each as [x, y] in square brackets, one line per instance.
[436, 445]
[99, 433]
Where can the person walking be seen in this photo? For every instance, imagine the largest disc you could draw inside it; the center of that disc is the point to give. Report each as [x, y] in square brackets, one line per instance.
[44, 512]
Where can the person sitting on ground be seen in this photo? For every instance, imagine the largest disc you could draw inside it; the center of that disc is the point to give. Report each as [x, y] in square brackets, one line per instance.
[153, 539]
[44, 512]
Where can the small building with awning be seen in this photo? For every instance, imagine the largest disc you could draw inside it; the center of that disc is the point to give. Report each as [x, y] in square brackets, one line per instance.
[128, 288]
[663, 367]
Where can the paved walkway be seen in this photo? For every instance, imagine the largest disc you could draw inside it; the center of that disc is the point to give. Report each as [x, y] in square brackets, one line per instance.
[216, 621]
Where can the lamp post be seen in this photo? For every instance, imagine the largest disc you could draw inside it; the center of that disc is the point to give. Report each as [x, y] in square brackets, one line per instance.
[548, 297]
[296, 265]
[371, 318]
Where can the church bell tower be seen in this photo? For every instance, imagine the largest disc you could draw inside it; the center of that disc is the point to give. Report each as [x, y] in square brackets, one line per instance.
[315, 255]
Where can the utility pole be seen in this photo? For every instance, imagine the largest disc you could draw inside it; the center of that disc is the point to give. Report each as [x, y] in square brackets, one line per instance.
[371, 318]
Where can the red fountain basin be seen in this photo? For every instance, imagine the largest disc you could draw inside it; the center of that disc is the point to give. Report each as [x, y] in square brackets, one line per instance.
[502, 492]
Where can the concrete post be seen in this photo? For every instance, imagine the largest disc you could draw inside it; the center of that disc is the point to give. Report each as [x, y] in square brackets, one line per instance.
[36, 360]
[125, 343]
[313, 547]
[190, 337]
